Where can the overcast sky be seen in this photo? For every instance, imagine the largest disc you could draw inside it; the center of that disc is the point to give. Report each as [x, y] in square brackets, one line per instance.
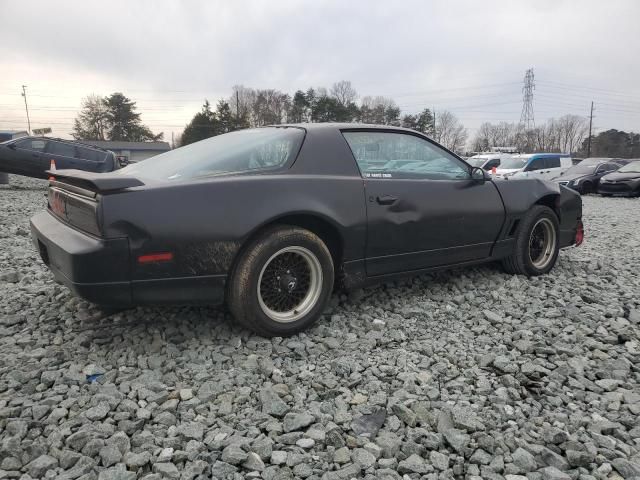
[469, 57]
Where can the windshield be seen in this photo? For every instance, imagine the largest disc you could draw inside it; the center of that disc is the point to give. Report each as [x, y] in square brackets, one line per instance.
[580, 170]
[242, 151]
[513, 162]
[633, 167]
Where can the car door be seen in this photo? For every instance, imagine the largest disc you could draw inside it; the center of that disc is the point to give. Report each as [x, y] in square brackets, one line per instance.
[423, 208]
[553, 168]
[24, 157]
[536, 167]
[63, 153]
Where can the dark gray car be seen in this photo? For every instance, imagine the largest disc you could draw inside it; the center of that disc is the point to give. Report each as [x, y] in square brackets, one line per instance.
[269, 219]
[32, 156]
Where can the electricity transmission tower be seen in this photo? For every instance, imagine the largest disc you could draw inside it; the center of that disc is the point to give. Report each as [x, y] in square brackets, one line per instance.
[526, 117]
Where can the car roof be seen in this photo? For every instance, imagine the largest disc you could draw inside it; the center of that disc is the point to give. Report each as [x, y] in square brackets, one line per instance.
[344, 126]
[63, 140]
[542, 155]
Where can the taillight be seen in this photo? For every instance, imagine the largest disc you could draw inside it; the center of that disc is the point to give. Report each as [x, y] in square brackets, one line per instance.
[155, 257]
[579, 234]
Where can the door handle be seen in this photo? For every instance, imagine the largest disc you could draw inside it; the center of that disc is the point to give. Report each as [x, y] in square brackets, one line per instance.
[386, 199]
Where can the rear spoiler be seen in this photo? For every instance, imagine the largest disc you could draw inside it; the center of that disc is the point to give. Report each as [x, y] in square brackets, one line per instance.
[97, 182]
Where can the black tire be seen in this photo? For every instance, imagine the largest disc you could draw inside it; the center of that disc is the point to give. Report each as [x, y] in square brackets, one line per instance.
[245, 292]
[520, 261]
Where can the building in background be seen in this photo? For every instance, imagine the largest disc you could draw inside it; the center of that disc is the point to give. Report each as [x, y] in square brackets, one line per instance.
[6, 135]
[131, 151]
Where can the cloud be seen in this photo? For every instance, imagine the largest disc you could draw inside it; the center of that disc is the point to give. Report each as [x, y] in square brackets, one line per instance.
[170, 55]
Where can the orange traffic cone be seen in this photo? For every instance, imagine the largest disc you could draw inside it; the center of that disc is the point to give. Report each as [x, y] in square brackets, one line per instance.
[52, 167]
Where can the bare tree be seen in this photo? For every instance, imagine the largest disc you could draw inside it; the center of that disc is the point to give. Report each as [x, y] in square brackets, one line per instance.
[92, 121]
[344, 92]
[571, 131]
[450, 132]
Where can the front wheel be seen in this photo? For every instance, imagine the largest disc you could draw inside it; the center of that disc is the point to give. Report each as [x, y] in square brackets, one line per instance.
[587, 188]
[537, 243]
[281, 282]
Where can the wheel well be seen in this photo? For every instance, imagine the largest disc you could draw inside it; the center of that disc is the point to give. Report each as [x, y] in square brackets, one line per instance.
[550, 201]
[327, 232]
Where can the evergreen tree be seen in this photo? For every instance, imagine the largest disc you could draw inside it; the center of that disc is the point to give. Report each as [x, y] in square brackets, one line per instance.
[124, 122]
[203, 125]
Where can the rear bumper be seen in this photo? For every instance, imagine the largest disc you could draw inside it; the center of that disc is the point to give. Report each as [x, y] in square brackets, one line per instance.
[98, 270]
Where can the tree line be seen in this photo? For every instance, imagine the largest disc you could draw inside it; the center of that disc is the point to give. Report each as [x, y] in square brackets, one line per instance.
[567, 134]
[115, 118]
[249, 107]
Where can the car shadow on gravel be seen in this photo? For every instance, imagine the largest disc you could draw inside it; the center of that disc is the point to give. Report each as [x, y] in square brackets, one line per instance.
[101, 323]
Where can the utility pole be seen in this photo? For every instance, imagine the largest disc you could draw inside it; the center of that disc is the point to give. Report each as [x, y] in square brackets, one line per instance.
[526, 117]
[237, 109]
[590, 124]
[435, 137]
[527, 121]
[24, 94]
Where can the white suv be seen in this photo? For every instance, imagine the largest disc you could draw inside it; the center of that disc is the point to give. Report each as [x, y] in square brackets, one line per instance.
[535, 165]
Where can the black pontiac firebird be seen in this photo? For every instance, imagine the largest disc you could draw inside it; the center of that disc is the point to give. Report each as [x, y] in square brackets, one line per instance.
[269, 219]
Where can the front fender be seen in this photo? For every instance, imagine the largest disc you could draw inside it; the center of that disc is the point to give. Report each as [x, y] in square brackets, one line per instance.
[519, 195]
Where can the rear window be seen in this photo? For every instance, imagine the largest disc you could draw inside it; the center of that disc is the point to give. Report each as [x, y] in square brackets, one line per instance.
[253, 150]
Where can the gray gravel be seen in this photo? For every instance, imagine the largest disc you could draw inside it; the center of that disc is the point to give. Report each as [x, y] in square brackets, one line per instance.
[464, 374]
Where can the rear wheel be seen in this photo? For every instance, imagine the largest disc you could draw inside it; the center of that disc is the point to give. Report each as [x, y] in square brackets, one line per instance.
[537, 243]
[281, 282]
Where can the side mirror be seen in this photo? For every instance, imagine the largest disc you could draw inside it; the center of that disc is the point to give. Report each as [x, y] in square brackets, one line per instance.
[12, 146]
[478, 175]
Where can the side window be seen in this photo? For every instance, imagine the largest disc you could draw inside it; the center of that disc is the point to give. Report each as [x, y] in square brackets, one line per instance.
[552, 162]
[32, 144]
[89, 154]
[610, 167]
[535, 164]
[61, 148]
[401, 155]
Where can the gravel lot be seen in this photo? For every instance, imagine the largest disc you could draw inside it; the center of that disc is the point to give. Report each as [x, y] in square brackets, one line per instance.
[464, 374]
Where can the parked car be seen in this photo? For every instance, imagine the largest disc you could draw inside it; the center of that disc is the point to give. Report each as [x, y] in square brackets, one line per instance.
[535, 165]
[31, 156]
[586, 178]
[487, 161]
[6, 135]
[624, 182]
[270, 219]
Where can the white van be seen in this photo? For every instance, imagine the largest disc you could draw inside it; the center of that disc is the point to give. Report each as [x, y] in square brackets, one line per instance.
[535, 165]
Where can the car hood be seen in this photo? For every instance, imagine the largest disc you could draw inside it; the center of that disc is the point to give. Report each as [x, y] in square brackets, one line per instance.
[619, 176]
[568, 178]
